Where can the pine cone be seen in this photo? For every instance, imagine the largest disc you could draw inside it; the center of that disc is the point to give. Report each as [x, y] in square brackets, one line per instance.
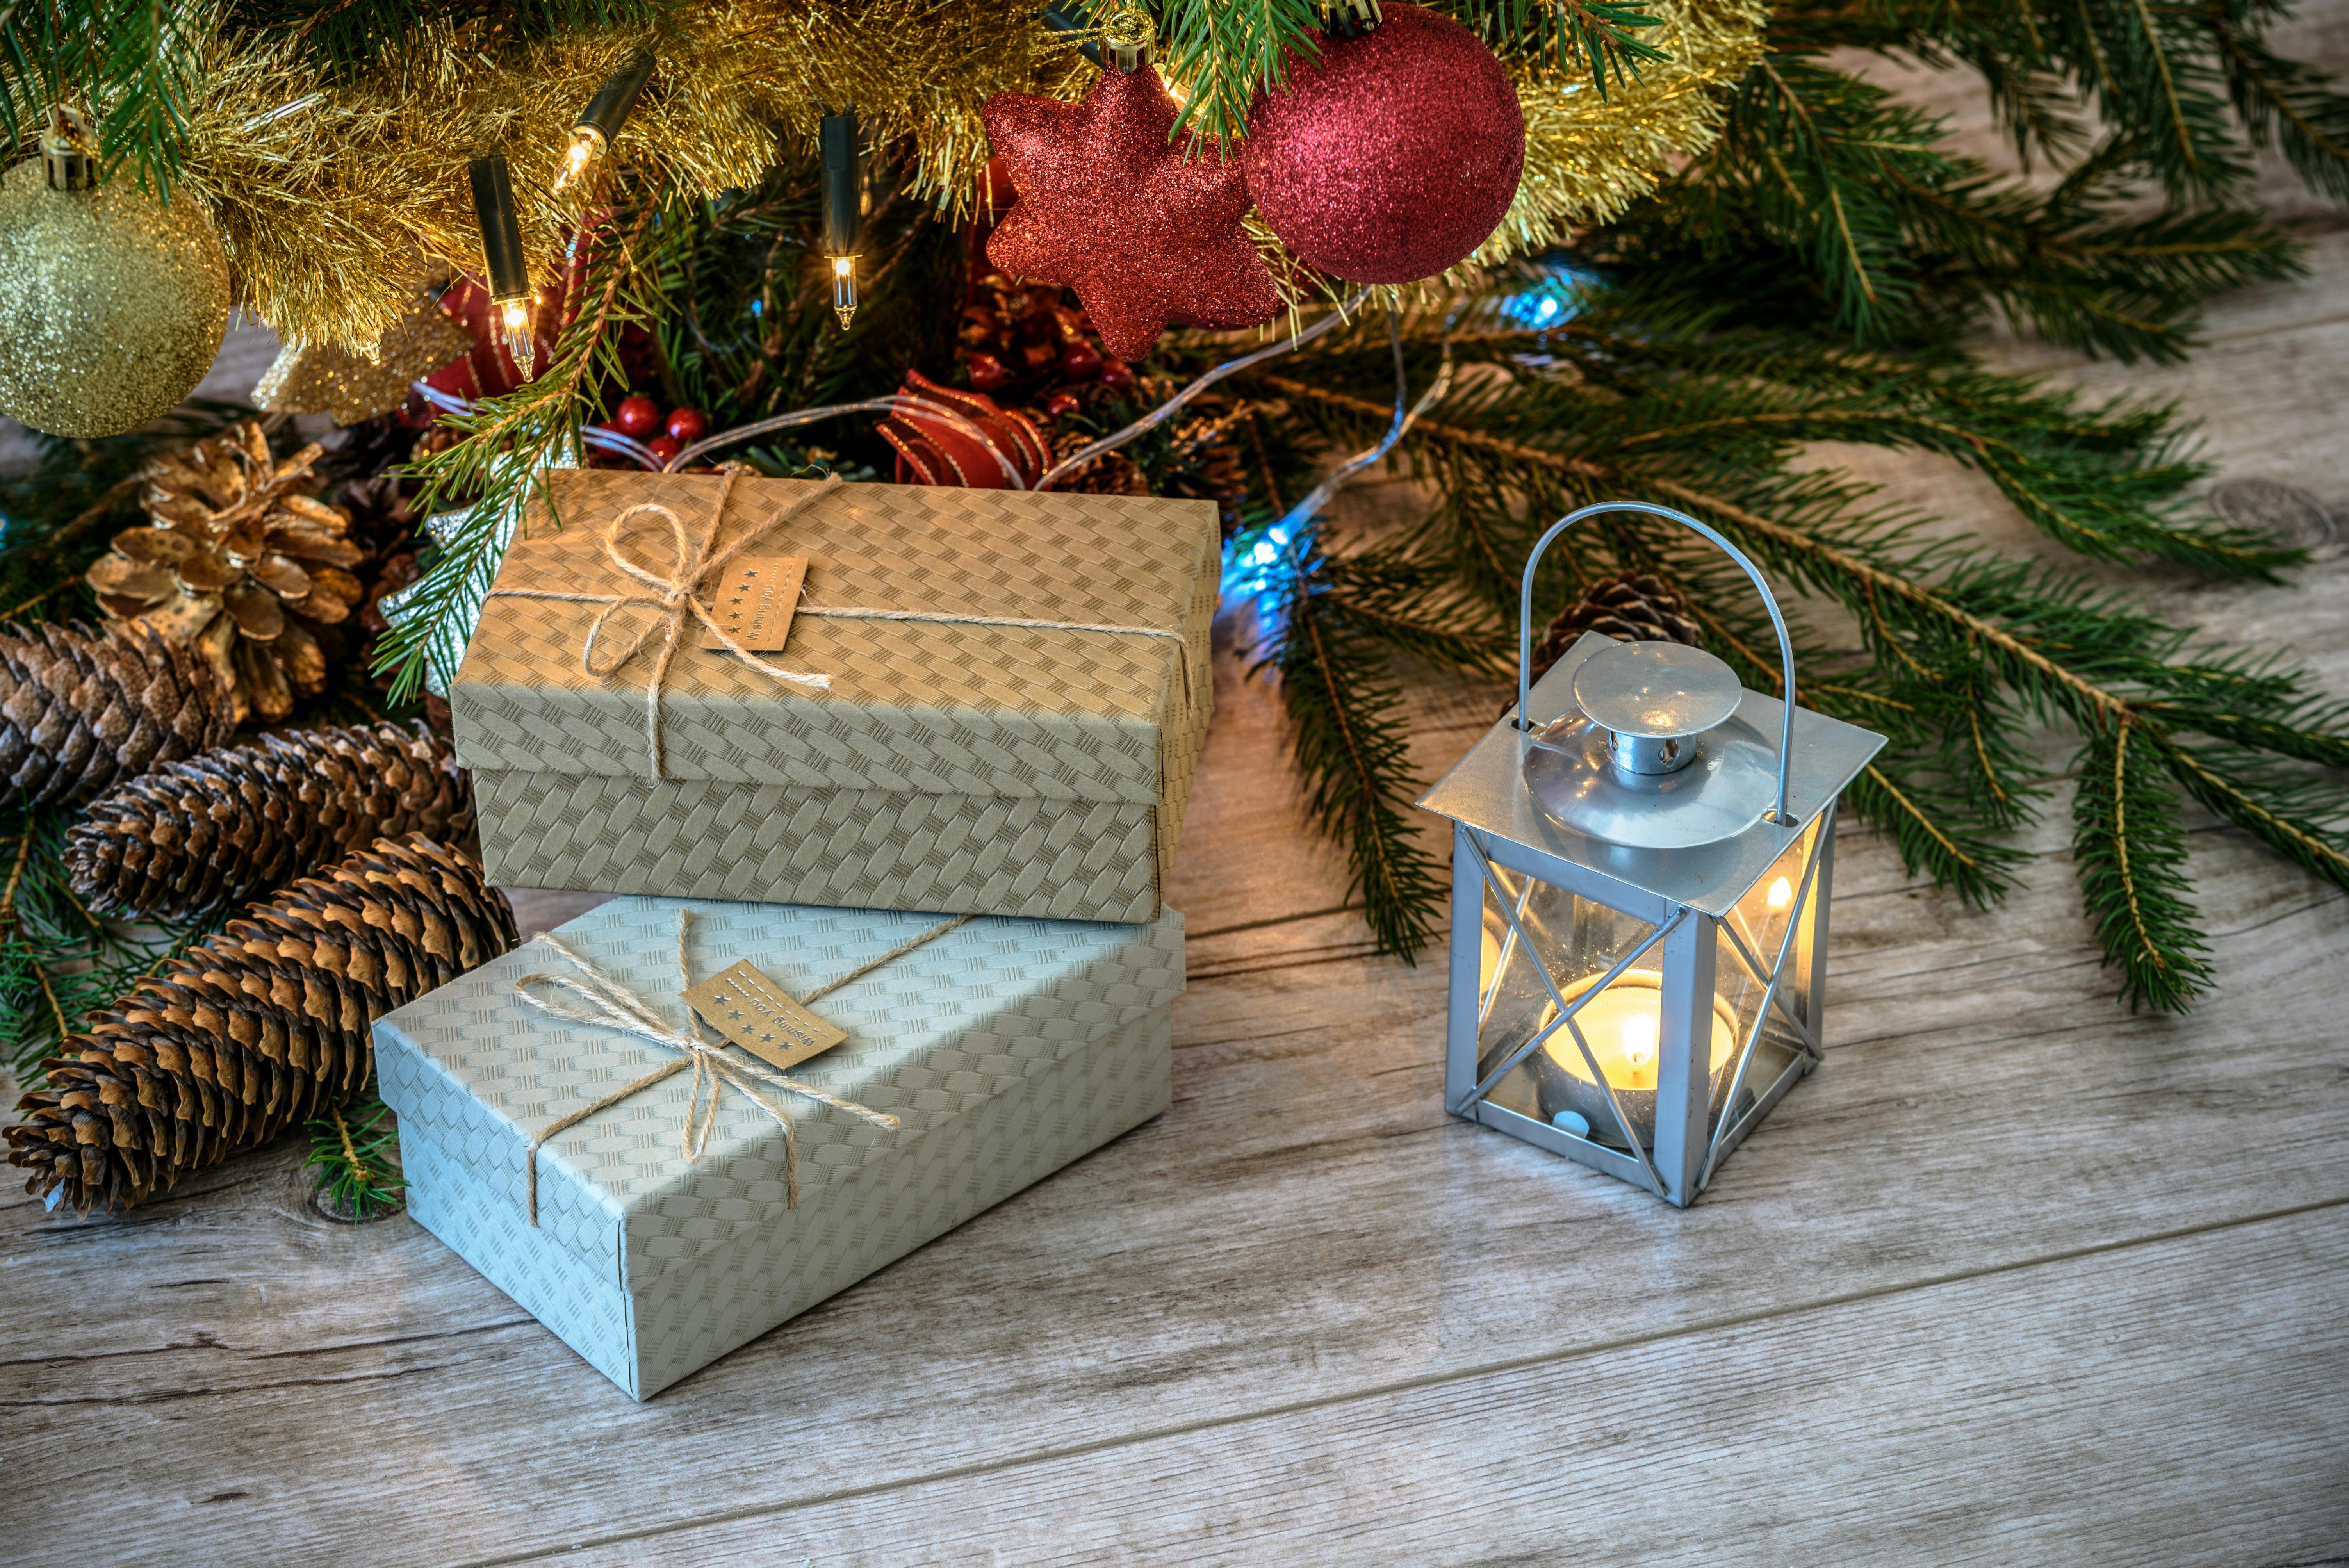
[255, 1029]
[1112, 473]
[1633, 608]
[230, 825]
[78, 711]
[241, 564]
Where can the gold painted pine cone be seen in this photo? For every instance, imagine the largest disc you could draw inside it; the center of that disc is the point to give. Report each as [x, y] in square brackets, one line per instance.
[240, 563]
[233, 824]
[255, 1029]
[1112, 473]
[1633, 608]
[79, 711]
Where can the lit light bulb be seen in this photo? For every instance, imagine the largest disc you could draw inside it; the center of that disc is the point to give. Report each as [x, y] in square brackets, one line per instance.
[587, 144]
[1640, 1031]
[844, 289]
[1781, 893]
[513, 317]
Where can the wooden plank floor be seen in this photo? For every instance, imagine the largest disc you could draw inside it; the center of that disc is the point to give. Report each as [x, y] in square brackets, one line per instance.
[2016, 1277]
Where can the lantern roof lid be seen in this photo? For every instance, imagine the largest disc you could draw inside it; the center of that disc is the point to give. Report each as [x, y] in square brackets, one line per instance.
[1486, 790]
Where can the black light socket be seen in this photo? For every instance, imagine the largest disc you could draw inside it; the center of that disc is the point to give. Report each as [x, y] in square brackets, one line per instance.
[843, 186]
[493, 207]
[608, 110]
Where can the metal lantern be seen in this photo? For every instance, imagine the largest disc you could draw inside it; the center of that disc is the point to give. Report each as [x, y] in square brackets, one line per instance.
[1640, 892]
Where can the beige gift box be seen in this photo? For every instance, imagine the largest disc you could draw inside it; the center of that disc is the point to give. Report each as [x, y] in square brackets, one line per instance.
[949, 765]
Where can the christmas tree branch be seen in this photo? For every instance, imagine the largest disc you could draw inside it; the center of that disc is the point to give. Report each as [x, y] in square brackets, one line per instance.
[1351, 745]
[1966, 648]
[508, 440]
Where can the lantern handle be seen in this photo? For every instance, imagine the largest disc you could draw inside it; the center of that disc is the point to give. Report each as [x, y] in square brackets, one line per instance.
[1769, 602]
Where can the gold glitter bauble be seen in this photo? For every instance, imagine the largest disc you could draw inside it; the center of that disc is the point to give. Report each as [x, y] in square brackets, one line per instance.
[112, 305]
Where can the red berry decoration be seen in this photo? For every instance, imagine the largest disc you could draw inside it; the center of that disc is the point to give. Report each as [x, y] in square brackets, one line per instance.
[664, 447]
[1116, 375]
[1061, 403]
[1147, 232]
[687, 425]
[987, 372]
[1392, 157]
[1080, 361]
[636, 417]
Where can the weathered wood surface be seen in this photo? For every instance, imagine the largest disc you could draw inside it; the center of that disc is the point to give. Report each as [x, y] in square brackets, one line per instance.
[2016, 1276]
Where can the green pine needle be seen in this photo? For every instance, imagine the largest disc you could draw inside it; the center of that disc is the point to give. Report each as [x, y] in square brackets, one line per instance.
[355, 1149]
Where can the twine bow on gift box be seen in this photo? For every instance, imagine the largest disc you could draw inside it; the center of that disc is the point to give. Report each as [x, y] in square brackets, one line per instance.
[610, 1004]
[672, 600]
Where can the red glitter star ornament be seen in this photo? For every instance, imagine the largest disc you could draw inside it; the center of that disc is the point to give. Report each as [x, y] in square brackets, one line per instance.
[1148, 237]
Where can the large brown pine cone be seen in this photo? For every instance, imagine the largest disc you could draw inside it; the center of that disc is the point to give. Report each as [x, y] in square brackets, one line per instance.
[255, 1029]
[79, 712]
[229, 825]
[1633, 608]
[242, 563]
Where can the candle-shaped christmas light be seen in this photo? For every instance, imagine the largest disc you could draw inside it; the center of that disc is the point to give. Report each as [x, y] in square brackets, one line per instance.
[501, 257]
[844, 211]
[598, 125]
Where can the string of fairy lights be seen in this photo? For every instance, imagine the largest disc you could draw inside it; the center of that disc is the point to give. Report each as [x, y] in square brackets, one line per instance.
[506, 263]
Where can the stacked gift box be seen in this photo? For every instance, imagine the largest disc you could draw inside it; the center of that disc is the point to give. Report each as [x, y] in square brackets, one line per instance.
[918, 757]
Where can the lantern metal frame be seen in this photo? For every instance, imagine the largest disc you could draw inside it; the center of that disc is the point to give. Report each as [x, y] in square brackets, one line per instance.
[1685, 895]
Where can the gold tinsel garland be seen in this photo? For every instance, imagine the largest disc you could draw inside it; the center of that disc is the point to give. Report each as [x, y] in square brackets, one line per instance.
[1588, 157]
[313, 187]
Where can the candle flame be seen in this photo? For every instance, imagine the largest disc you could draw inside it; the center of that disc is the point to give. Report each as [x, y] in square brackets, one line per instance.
[1639, 1032]
[1781, 893]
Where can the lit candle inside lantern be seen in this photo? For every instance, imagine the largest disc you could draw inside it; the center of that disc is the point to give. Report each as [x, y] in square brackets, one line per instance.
[1624, 1026]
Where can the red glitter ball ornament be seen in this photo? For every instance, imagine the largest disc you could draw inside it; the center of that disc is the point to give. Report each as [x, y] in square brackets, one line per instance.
[1392, 156]
[1147, 236]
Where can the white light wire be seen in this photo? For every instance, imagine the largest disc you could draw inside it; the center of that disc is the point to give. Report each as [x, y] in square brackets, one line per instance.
[908, 404]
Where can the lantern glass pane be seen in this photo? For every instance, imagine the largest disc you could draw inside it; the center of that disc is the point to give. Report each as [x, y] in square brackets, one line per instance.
[1759, 922]
[1577, 939]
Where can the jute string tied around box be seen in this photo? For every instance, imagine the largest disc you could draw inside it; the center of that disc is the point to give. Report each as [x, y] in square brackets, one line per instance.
[672, 598]
[610, 1004]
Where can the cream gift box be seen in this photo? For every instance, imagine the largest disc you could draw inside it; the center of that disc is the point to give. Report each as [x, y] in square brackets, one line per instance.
[953, 761]
[1004, 1048]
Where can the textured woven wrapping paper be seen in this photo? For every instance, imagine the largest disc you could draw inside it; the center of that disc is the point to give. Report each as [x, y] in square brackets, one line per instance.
[1005, 1048]
[948, 768]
